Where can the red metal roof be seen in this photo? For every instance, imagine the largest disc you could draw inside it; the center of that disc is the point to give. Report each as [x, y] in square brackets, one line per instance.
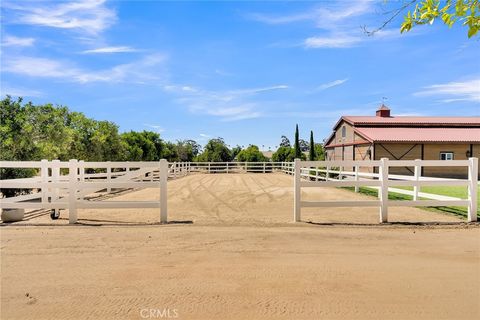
[375, 120]
[392, 134]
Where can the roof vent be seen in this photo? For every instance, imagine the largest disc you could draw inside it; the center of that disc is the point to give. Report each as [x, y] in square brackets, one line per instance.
[383, 111]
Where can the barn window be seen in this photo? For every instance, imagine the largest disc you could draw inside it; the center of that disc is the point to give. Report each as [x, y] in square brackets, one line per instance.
[344, 132]
[446, 155]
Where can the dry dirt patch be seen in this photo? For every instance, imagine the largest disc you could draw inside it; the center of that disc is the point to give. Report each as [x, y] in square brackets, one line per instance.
[240, 258]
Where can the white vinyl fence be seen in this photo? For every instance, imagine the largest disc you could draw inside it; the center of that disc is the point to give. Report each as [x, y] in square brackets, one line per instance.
[76, 184]
[183, 168]
[320, 174]
[66, 185]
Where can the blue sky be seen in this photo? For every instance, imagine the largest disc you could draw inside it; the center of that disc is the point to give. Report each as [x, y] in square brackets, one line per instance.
[244, 71]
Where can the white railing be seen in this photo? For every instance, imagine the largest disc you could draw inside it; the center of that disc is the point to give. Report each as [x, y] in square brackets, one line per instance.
[70, 185]
[59, 190]
[318, 176]
[237, 167]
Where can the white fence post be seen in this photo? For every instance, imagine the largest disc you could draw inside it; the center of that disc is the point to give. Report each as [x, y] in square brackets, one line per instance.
[80, 178]
[227, 167]
[296, 191]
[72, 191]
[109, 176]
[163, 175]
[56, 178]
[357, 188]
[264, 167]
[327, 173]
[417, 172]
[316, 174]
[44, 176]
[209, 167]
[383, 191]
[472, 189]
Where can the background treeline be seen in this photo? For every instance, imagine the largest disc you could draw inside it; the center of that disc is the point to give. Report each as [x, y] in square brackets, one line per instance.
[35, 132]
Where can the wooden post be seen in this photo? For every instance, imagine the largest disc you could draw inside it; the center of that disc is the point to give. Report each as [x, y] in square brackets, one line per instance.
[227, 167]
[72, 191]
[357, 178]
[316, 173]
[327, 174]
[209, 167]
[472, 189]
[264, 167]
[417, 172]
[44, 177]
[296, 192]
[383, 191]
[163, 175]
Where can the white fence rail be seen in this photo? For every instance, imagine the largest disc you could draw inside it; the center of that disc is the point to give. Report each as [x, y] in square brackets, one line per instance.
[382, 181]
[70, 185]
[65, 185]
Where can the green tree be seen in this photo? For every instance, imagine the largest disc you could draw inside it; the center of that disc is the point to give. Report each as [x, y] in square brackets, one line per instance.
[312, 154]
[187, 150]
[319, 152]
[304, 145]
[142, 146]
[285, 142]
[298, 151]
[235, 151]
[421, 12]
[283, 154]
[195, 146]
[251, 154]
[15, 144]
[451, 11]
[215, 151]
[170, 152]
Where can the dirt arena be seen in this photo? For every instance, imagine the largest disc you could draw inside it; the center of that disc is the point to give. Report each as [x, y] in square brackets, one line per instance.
[232, 252]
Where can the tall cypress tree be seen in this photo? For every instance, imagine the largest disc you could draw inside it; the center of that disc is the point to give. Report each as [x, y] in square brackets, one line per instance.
[298, 152]
[311, 154]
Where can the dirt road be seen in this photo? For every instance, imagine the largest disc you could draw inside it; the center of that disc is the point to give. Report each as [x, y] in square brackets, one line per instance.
[240, 258]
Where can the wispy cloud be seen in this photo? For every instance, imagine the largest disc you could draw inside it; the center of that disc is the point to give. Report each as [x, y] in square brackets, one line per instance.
[332, 41]
[19, 92]
[323, 16]
[229, 105]
[156, 127]
[12, 41]
[458, 91]
[236, 113]
[331, 84]
[135, 72]
[336, 23]
[119, 49]
[90, 16]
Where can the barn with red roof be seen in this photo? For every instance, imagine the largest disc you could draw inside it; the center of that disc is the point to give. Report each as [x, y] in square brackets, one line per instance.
[405, 138]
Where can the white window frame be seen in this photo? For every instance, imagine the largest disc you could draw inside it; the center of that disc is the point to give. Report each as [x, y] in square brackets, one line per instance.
[446, 155]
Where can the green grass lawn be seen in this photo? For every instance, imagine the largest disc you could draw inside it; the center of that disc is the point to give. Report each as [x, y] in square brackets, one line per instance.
[454, 191]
